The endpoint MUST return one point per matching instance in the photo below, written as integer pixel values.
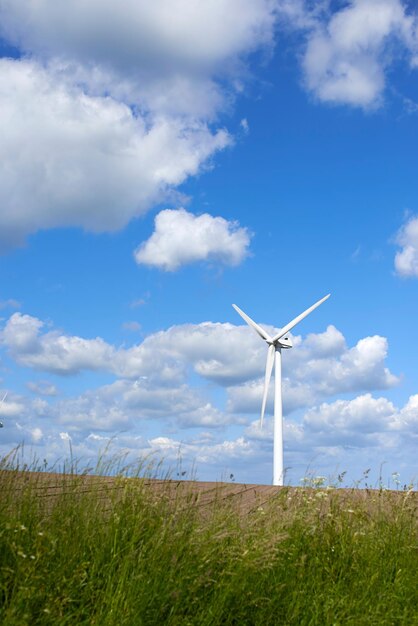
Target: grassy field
(87, 551)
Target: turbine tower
(274, 357)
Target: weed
(81, 549)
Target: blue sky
(161, 162)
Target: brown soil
(242, 497)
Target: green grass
(94, 554)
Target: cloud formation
(70, 159)
(367, 430)
(112, 107)
(349, 51)
(363, 421)
(156, 391)
(350, 418)
(126, 403)
(181, 238)
(321, 365)
(167, 36)
(52, 351)
(406, 261)
(109, 111)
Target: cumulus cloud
(142, 400)
(110, 109)
(155, 392)
(356, 368)
(214, 350)
(364, 421)
(364, 414)
(69, 159)
(212, 453)
(357, 433)
(11, 408)
(327, 344)
(407, 419)
(293, 433)
(52, 351)
(181, 238)
(349, 51)
(246, 399)
(406, 260)
(42, 388)
(320, 366)
(166, 35)
(120, 406)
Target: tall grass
(89, 551)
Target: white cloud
(181, 238)
(407, 418)
(42, 388)
(11, 408)
(138, 426)
(212, 454)
(156, 372)
(91, 411)
(364, 414)
(165, 35)
(246, 399)
(142, 400)
(69, 159)
(349, 51)
(406, 261)
(357, 368)
(327, 344)
(364, 422)
(213, 349)
(132, 326)
(293, 433)
(320, 366)
(10, 303)
(125, 405)
(244, 125)
(113, 107)
(53, 352)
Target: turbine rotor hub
(283, 342)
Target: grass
(87, 551)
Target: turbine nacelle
(283, 342)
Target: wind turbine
(1, 402)
(274, 357)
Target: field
(78, 549)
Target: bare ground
(244, 498)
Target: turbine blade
(269, 368)
(298, 319)
(260, 331)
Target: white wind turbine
(274, 357)
(1, 402)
